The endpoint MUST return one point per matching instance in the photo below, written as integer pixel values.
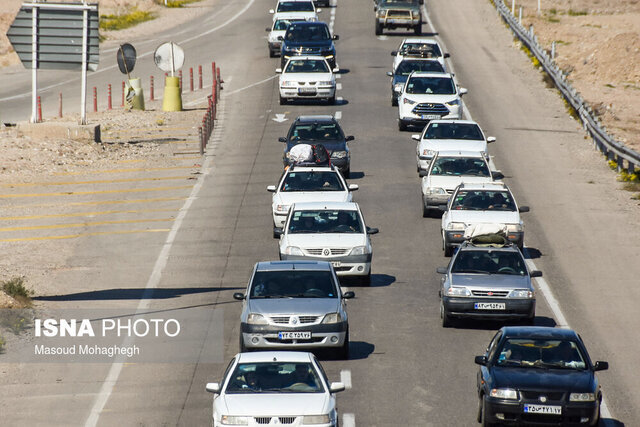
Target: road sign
(169, 57)
(126, 57)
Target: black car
(402, 71)
(538, 375)
(308, 38)
(320, 129)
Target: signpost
(56, 36)
(169, 57)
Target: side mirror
(536, 273)
(353, 187)
(335, 37)
(282, 139)
(350, 138)
(268, 30)
(213, 388)
(277, 231)
(446, 55)
(278, 70)
(280, 38)
(271, 188)
(371, 230)
(481, 360)
(390, 73)
(394, 52)
(336, 387)
(348, 295)
(497, 175)
(272, 11)
(601, 366)
(416, 136)
(422, 174)
(524, 209)
(463, 90)
(335, 70)
(441, 270)
(239, 296)
(491, 139)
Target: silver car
(294, 305)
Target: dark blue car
(401, 74)
(308, 38)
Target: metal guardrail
(604, 142)
(209, 118)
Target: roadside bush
(120, 22)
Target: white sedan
(274, 388)
(307, 77)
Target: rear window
(460, 166)
(483, 200)
(312, 181)
(467, 131)
(406, 67)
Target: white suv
(332, 231)
(307, 77)
(429, 96)
(300, 184)
(418, 47)
(481, 203)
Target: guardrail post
(191, 79)
(513, 7)
(553, 50)
(199, 76)
(109, 96)
(95, 99)
(60, 105)
(151, 93)
(39, 109)
(201, 140)
(520, 16)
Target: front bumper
(356, 265)
(275, 46)
(512, 413)
(465, 307)
(266, 336)
(320, 92)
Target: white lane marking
(154, 280)
(233, 92)
(382, 37)
(280, 118)
(345, 378)
(339, 98)
(102, 70)
(349, 420)
(338, 86)
(338, 76)
(338, 115)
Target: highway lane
(406, 369)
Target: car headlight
(514, 228)
(521, 293)
(582, 397)
(456, 226)
(234, 420)
(338, 154)
(359, 250)
(326, 83)
(293, 250)
(428, 153)
(316, 419)
(398, 87)
(332, 318)
(288, 84)
(408, 101)
(504, 393)
(436, 190)
(256, 319)
(380, 13)
(282, 208)
(454, 102)
(458, 292)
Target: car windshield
(482, 200)
(325, 221)
(307, 66)
(312, 181)
(274, 377)
(431, 86)
(293, 284)
(399, 2)
(468, 131)
(460, 166)
(541, 353)
(425, 50)
(295, 6)
(489, 262)
(327, 131)
(407, 67)
(308, 33)
(282, 24)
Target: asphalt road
(405, 368)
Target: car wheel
(283, 101)
(394, 101)
(343, 352)
(242, 347)
(275, 236)
(448, 250)
(401, 125)
(479, 414)
(347, 173)
(378, 29)
(332, 100)
(366, 280)
(425, 211)
(272, 54)
(445, 316)
(483, 420)
(417, 30)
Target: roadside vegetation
(125, 20)
(17, 290)
(176, 3)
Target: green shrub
(577, 12)
(120, 22)
(15, 288)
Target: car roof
(542, 332)
(429, 74)
(275, 356)
(460, 153)
(490, 186)
(419, 40)
(293, 265)
(309, 206)
(470, 122)
(315, 118)
(314, 57)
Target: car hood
(452, 145)
(430, 98)
(292, 197)
(306, 77)
(490, 281)
(293, 44)
(544, 379)
(449, 182)
(302, 306)
(477, 217)
(276, 404)
(326, 240)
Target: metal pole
(83, 92)
(513, 7)
(34, 65)
(538, 7)
(553, 50)
(173, 70)
(520, 16)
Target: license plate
(306, 90)
(302, 335)
(430, 117)
(543, 409)
(490, 306)
(336, 263)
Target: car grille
(531, 395)
(283, 420)
(315, 50)
(427, 108)
(313, 340)
(307, 83)
(483, 293)
(392, 13)
(287, 420)
(332, 251)
(262, 420)
(284, 320)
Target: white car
(448, 170)
(280, 23)
(481, 203)
(300, 184)
(329, 231)
(274, 388)
(307, 77)
(418, 47)
(447, 135)
(295, 6)
(429, 96)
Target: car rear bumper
(512, 413)
(266, 336)
(356, 265)
(465, 307)
(456, 237)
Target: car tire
(242, 347)
(347, 173)
(483, 419)
(343, 352)
(394, 101)
(479, 412)
(332, 100)
(378, 29)
(425, 212)
(272, 54)
(417, 30)
(448, 251)
(283, 101)
(366, 280)
(445, 317)
(401, 125)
